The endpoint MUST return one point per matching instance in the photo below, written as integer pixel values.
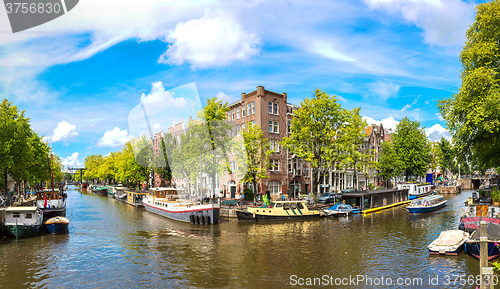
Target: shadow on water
(112, 244)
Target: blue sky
(79, 77)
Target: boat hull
(474, 248)
(419, 210)
(209, 215)
(248, 216)
(23, 231)
(57, 225)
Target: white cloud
(436, 132)
(209, 41)
(439, 116)
(114, 138)
(407, 106)
(331, 51)
(388, 123)
(444, 22)
(227, 98)
(63, 131)
(72, 161)
(384, 90)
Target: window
(28, 216)
(271, 126)
(270, 107)
(275, 108)
(232, 113)
(238, 129)
(274, 146)
(289, 124)
(253, 122)
(253, 107)
(16, 215)
(249, 107)
(289, 165)
(242, 126)
(238, 113)
(274, 165)
(274, 187)
(276, 129)
(243, 111)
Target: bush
(248, 194)
(495, 195)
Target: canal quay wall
(450, 189)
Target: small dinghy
(493, 235)
(57, 225)
(449, 242)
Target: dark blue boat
(426, 204)
(57, 225)
(472, 246)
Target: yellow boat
(278, 210)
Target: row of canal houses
(289, 175)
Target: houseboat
(57, 225)
(493, 235)
(23, 222)
(426, 204)
(449, 242)
(113, 190)
(478, 209)
(101, 191)
(416, 190)
(135, 198)
(51, 202)
(169, 203)
(340, 209)
(376, 200)
(278, 210)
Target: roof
(368, 193)
(368, 130)
(20, 209)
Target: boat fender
(208, 220)
(191, 219)
(196, 219)
(202, 219)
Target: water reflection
(111, 244)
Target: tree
(92, 164)
(353, 138)
(412, 148)
(316, 133)
(253, 155)
(389, 164)
(164, 158)
(473, 114)
(446, 156)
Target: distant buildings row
(288, 174)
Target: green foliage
(473, 114)
(495, 195)
(389, 165)
(411, 147)
(446, 156)
(253, 155)
(248, 193)
(317, 132)
(23, 153)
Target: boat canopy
(21, 209)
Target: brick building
(272, 113)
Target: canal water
(113, 245)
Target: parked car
(327, 198)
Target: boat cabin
(283, 208)
(134, 197)
(21, 215)
(50, 195)
(415, 189)
(170, 194)
(427, 201)
(367, 200)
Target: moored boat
(478, 209)
(57, 225)
(51, 202)
(135, 198)
(449, 242)
(23, 222)
(493, 238)
(278, 210)
(341, 209)
(113, 190)
(101, 191)
(169, 203)
(426, 204)
(416, 191)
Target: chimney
(284, 96)
(260, 90)
(243, 96)
(190, 118)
